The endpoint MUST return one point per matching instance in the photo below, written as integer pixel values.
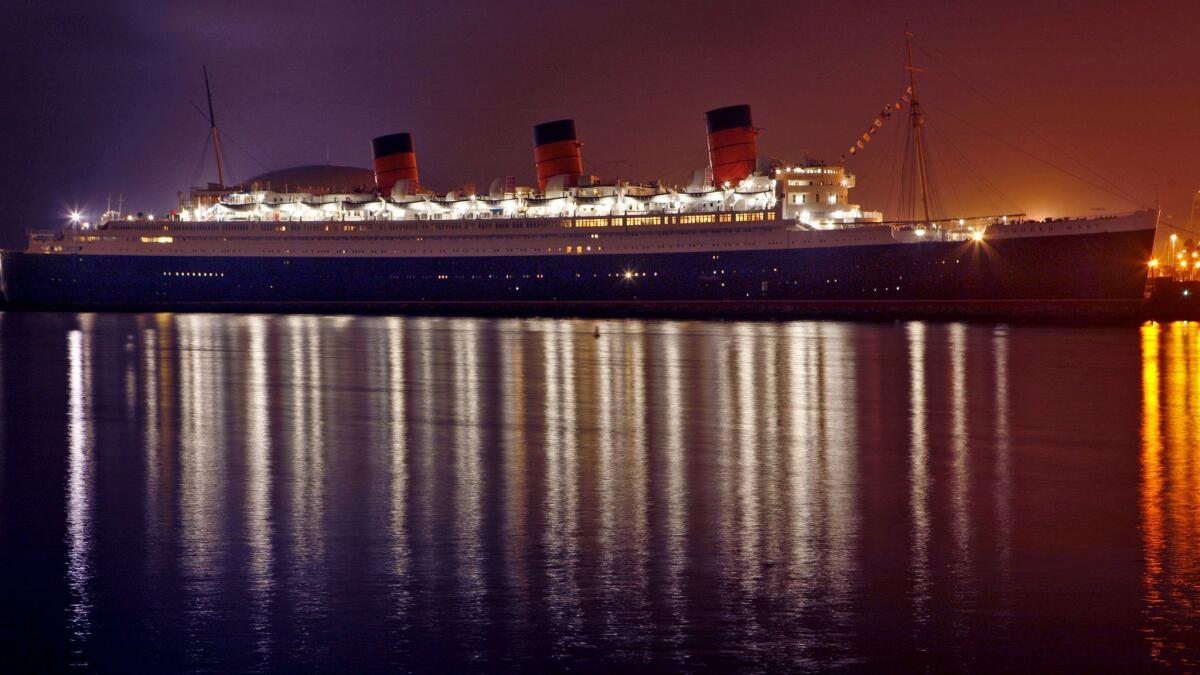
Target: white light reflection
(821, 420)
(802, 414)
(748, 520)
(514, 400)
(1004, 525)
(159, 441)
(840, 464)
(561, 476)
(720, 389)
(258, 484)
(468, 483)
(676, 487)
(426, 422)
(960, 481)
(603, 381)
(635, 507)
(79, 482)
(202, 468)
(150, 435)
(131, 388)
(918, 474)
(398, 465)
(772, 462)
(306, 464)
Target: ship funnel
(556, 152)
(394, 161)
(732, 146)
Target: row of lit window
(193, 274)
(747, 217)
(753, 217)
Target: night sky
(99, 96)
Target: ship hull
(1094, 267)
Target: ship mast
(216, 135)
(918, 120)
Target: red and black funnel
(556, 152)
(732, 143)
(394, 160)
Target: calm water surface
(281, 493)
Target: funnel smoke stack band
(556, 152)
(732, 143)
(395, 160)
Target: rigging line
(1004, 202)
(246, 152)
(893, 158)
(233, 140)
(939, 165)
(1004, 112)
(1043, 160)
(665, 93)
(239, 120)
(1184, 228)
(200, 162)
(880, 170)
(468, 109)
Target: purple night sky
(100, 95)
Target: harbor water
(317, 493)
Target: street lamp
(1174, 238)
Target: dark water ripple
(254, 493)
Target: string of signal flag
(884, 116)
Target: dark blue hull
(1102, 266)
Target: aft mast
(216, 135)
(918, 120)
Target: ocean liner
(743, 233)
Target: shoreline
(1083, 312)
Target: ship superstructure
(743, 230)
(737, 193)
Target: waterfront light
(628, 274)
(977, 235)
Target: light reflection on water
(258, 493)
(79, 486)
(1170, 495)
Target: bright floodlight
(76, 216)
(978, 235)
